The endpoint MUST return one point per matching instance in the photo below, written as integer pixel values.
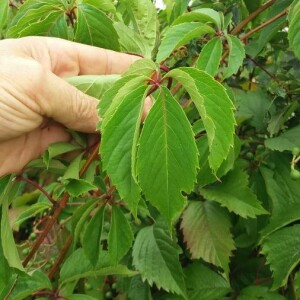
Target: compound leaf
(167, 156)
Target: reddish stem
(59, 208)
(37, 186)
(61, 257)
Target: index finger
(65, 58)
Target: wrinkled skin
(36, 104)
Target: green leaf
(115, 95)
(269, 32)
(93, 27)
(206, 230)
(258, 292)
(32, 211)
(167, 156)
(175, 8)
(155, 256)
(277, 120)
(215, 108)
(131, 42)
(80, 217)
(93, 85)
(92, 235)
(120, 236)
(206, 174)
(255, 106)
(205, 284)
(58, 149)
(283, 192)
(236, 55)
(72, 270)
(288, 140)
(119, 142)
(210, 56)
(142, 18)
(38, 19)
(3, 14)
(234, 194)
(203, 15)
(294, 28)
(139, 289)
(26, 285)
(77, 187)
(72, 172)
(10, 251)
(105, 5)
(179, 35)
(281, 249)
(142, 67)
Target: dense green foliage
(199, 201)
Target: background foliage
(201, 200)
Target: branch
(245, 36)
(252, 16)
(38, 187)
(61, 257)
(60, 205)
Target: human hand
(36, 104)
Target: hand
(36, 104)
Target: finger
(66, 104)
(147, 106)
(16, 153)
(65, 58)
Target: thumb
(67, 105)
